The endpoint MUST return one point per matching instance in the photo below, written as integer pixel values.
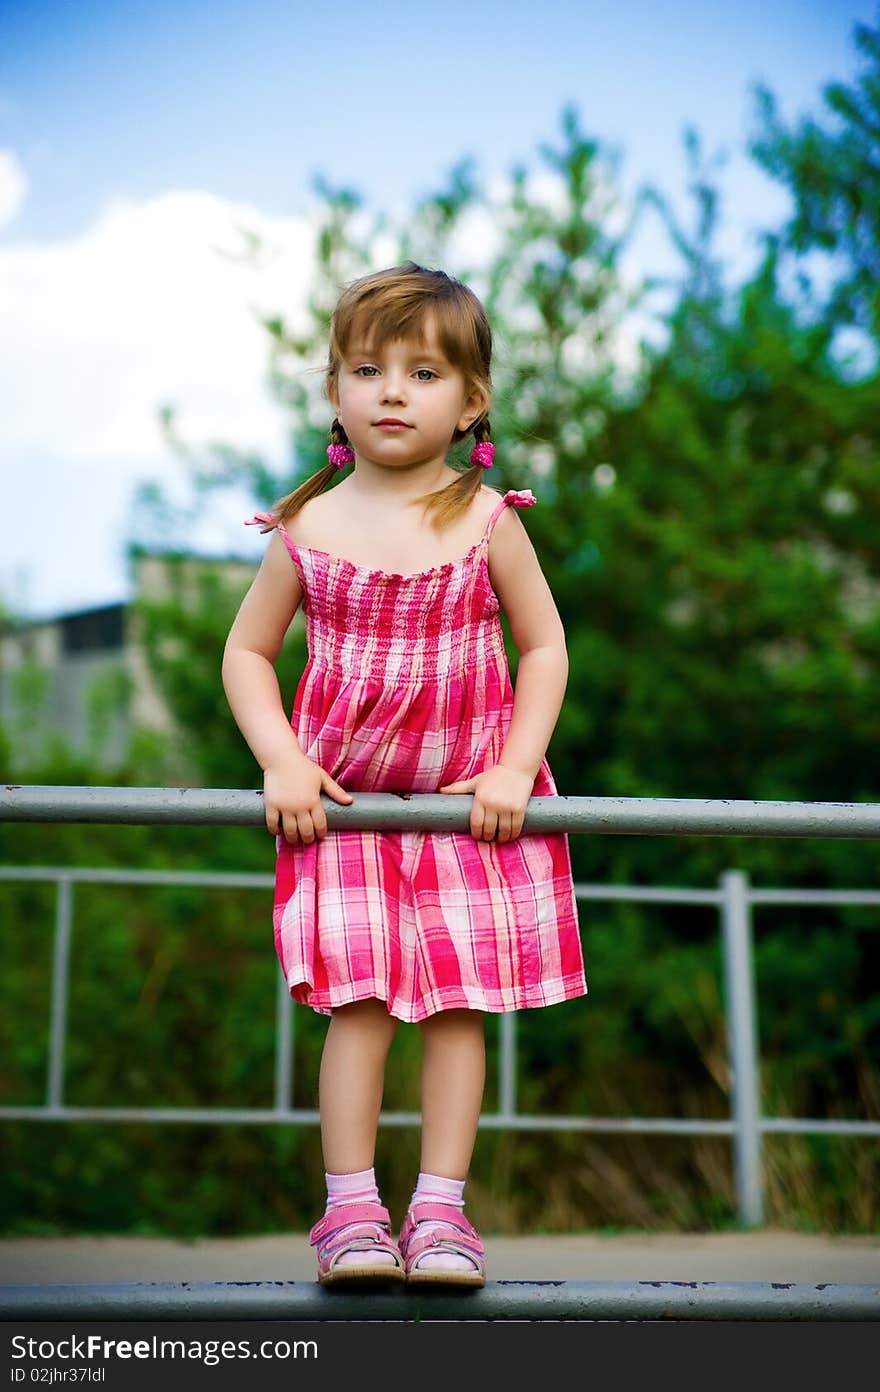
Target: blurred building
(82, 680)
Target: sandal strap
(436, 1241)
(347, 1214)
(364, 1237)
(455, 1231)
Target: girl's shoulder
(319, 522)
(483, 506)
(518, 495)
(491, 500)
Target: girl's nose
(393, 388)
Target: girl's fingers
(298, 827)
(336, 790)
(304, 827)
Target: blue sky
(128, 133)
(252, 99)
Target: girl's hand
(501, 796)
(291, 795)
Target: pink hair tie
(483, 453)
(340, 455)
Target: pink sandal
(355, 1227)
(456, 1236)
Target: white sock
(432, 1188)
(359, 1187)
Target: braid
(481, 429)
(288, 507)
(451, 501)
(337, 434)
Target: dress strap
(266, 521)
(518, 497)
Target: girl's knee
(370, 1013)
(372, 1005)
(453, 1021)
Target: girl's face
(408, 381)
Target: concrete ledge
(499, 1300)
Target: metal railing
(734, 899)
(499, 1300)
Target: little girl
(401, 569)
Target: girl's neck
(390, 486)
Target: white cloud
(140, 309)
(151, 304)
(14, 185)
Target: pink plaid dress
(406, 689)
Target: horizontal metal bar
(438, 812)
(656, 894)
(256, 1116)
(814, 896)
(493, 1121)
(672, 1126)
(798, 1126)
(499, 1300)
(202, 879)
(224, 879)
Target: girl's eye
(430, 372)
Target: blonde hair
(393, 304)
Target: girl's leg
(453, 1078)
(350, 1087)
(351, 1082)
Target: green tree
(834, 179)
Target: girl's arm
(292, 782)
(536, 628)
(502, 792)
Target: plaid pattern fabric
(407, 688)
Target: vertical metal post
(58, 1016)
(739, 993)
(507, 1063)
(283, 1047)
